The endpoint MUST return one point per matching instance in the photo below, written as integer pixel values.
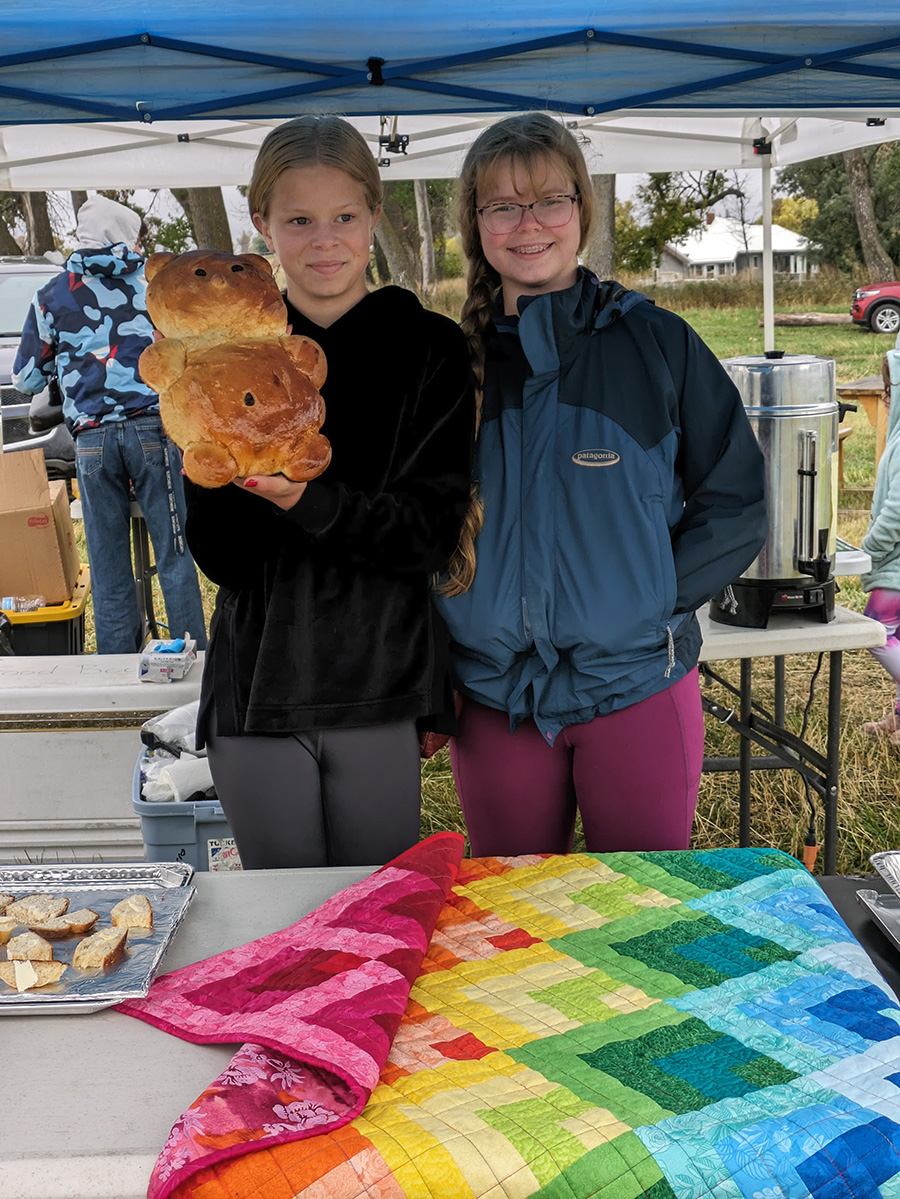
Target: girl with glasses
(619, 486)
(324, 650)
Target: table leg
(779, 691)
(832, 759)
(744, 747)
(145, 573)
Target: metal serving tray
(887, 863)
(884, 910)
(100, 886)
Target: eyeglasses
(552, 212)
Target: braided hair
(531, 141)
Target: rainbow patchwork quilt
(685, 1025)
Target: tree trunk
(801, 319)
(78, 198)
(600, 252)
(391, 247)
(37, 221)
(8, 244)
(878, 264)
(209, 218)
(382, 270)
(426, 235)
(184, 199)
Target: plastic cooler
(195, 832)
(55, 628)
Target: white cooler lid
(849, 560)
(102, 683)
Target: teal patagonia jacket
(622, 488)
(882, 539)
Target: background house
(723, 246)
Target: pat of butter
(26, 975)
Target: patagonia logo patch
(595, 458)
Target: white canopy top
(197, 153)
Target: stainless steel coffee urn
(790, 402)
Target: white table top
(99, 683)
(38, 685)
(788, 633)
(90, 1099)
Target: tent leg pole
(768, 266)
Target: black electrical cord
(811, 840)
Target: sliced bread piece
(29, 947)
(52, 930)
(8, 925)
(26, 975)
(5, 901)
(36, 909)
(73, 924)
(81, 922)
(100, 950)
(134, 911)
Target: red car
(877, 307)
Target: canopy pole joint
(375, 76)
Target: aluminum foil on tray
(887, 863)
(100, 886)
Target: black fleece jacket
(323, 617)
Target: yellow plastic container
(55, 628)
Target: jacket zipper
(670, 640)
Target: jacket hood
(105, 222)
(111, 261)
(893, 426)
(612, 301)
(588, 303)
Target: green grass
(869, 815)
(734, 331)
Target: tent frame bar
(402, 75)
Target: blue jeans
(109, 461)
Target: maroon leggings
(633, 775)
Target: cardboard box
(38, 555)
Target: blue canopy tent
(178, 59)
(121, 92)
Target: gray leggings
(341, 797)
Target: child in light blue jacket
(882, 543)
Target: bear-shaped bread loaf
(237, 393)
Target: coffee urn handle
(807, 501)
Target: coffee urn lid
(777, 380)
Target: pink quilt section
(316, 1006)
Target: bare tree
(600, 251)
(426, 235)
(708, 188)
(8, 214)
(37, 222)
(878, 262)
(205, 209)
(78, 198)
(392, 248)
(736, 208)
(401, 228)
